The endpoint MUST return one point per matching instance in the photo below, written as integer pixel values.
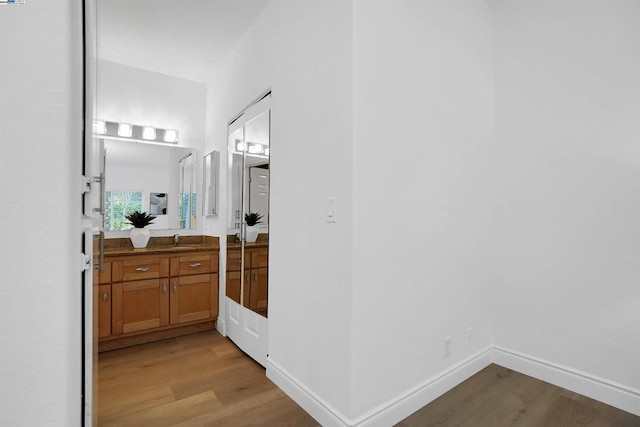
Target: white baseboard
(221, 326)
(400, 407)
(321, 411)
(388, 413)
(609, 392)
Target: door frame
(91, 220)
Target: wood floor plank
(205, 380)
(172, 413)
(202, 379)
(497, 396)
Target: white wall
(567, 234)
(302, 52)
(40, 157)
(424, 199)
(143, 97)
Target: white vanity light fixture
(99, 127)
(255, 148)
(171, 136)
(134, 133)
(125, 130)
(149, 133)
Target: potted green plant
(252, 219)
(139, 234)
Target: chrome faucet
(176, 238)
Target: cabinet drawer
(194, 264)
(234, 260)
(140, 268)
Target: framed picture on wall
(158, 203)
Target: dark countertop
(160, 245)
(232, 246)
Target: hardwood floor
(497, 396)
(205, 380)
(195, 380)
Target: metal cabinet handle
(164, 288)
(142, 269)
(196, 265)
(255, 276)
(175, 288)
(105, 296)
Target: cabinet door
(233, 285)
(260, 258)
(194, 298)
(104, 311)
(234, 259)
(140, 305)
(259, 289)
(102, 304)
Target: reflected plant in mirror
(253, 218)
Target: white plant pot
(251, 234)
(139, 237)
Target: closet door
(248, 199)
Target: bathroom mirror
(158, 179)
(210, 171)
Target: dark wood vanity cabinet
(155, 294)
(256, 276)
(194, 288)
(102, 301)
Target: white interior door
(259, 192)
(248, 145)
(92, 220)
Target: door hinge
(85, 262)
(87, 184)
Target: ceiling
(190, 39)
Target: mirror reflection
(158, 204)
(248, 204)
(157, 179)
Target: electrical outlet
(469, 335)
(447, 347)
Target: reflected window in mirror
(188, 210)
(119, 204)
